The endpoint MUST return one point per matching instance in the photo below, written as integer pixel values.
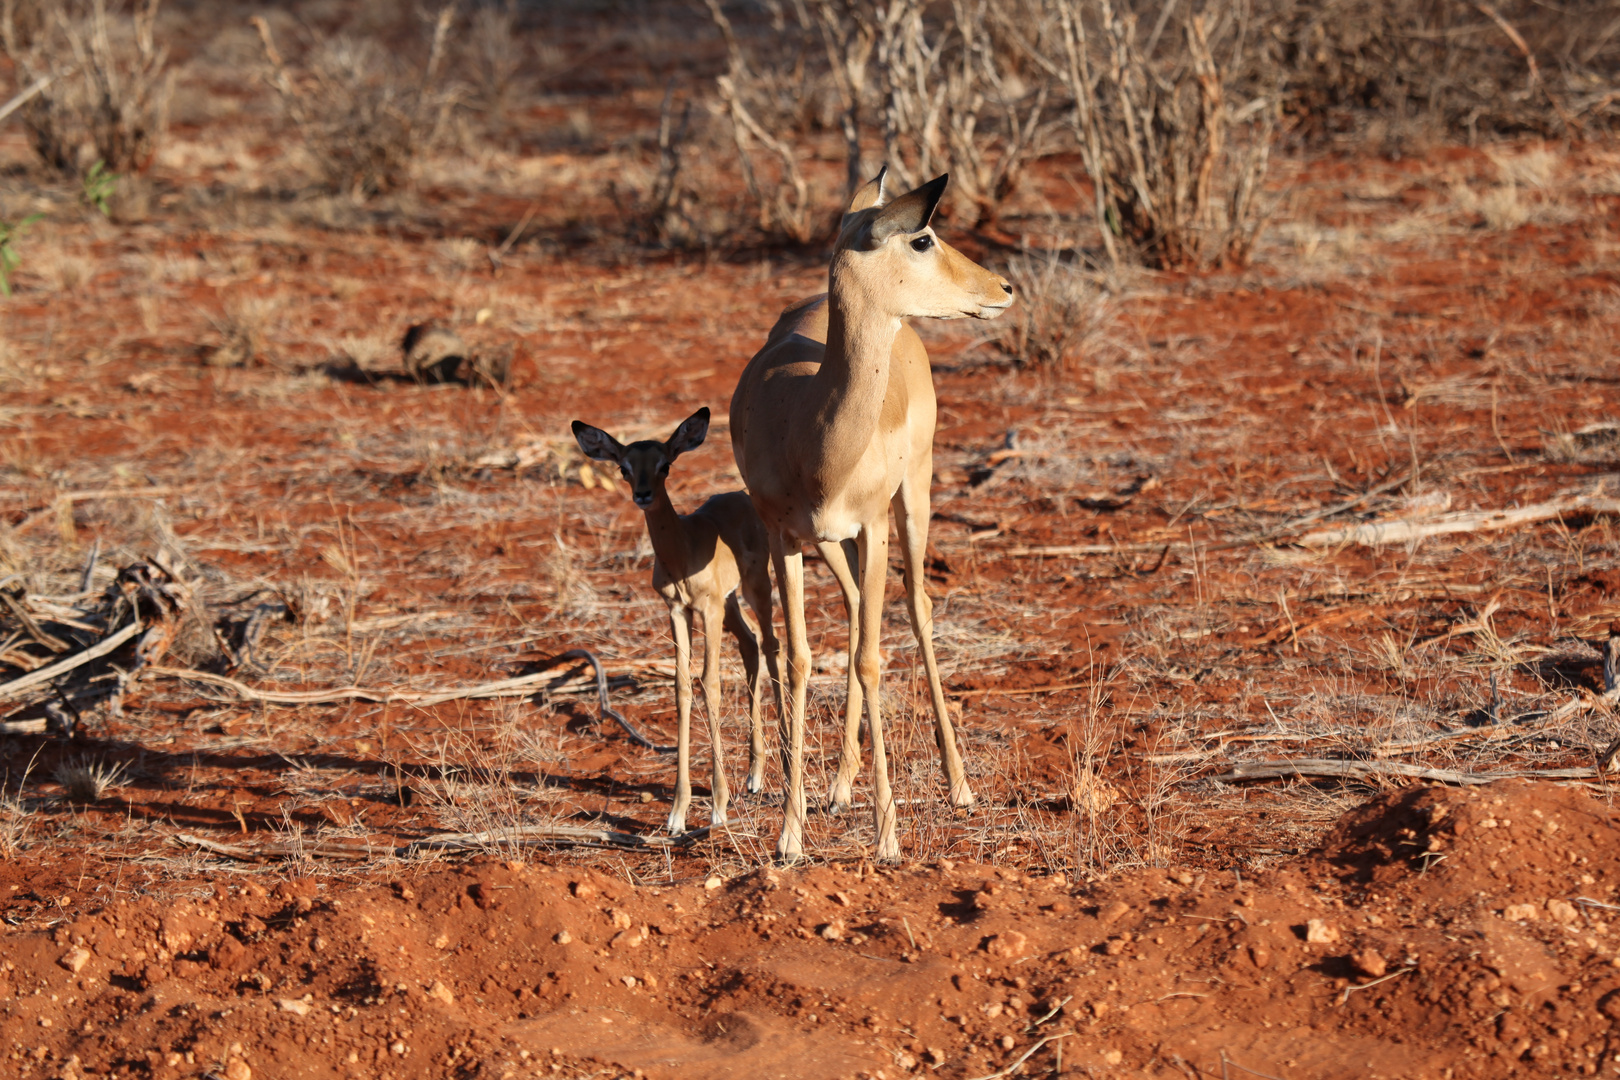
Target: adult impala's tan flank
(832, 421)
(701, 561)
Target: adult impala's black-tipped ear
(597, 444)
(910, 212)
(870, 193)
(690, 435)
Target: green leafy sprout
(8, 250)
(99, 185)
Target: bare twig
(66, 664)
(22, 97)
(1025, 1056)
(574, 835)
(521, 686)
(1401, 531)
(1274, 770)
(1345, 996)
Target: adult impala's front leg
(911, 522)
(790, 582)
(874, 566)
(680, 625)
(839, 557)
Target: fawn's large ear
(690, 435)
(910, 212)
(596, 443)
(870, 194)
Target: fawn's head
(644, 464)
(888, 251)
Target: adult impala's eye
(922, 243)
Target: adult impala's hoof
(717, 818)
(888, 852)
(676, 825)
(756, 784)
(840, 798)
(962, 797)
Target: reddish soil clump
(1437, 933)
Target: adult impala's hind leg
(911, 521)
(839, 557)
(756, 589)
(713, 637)
(748, 646)
(680, 625)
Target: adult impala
(832, 422)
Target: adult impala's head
(888, 252)
(644, 464)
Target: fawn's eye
(922, 243)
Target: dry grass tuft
(1061, 308)
(89, 781)
(242, 330)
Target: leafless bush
(494, 56)
(1060, 306)
(105, 85)
(1176, 170)
(940, 86)
(755, 97)
(1445, 66)
(955, 100)
(365, 115)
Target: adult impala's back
(832, 421)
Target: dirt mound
(1438, 933)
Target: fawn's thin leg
(680, 625)
(911, 522)
(712, 638)
(748, 646)
(790, 580)
(839, 557)
(874, 567)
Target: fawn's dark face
(644, 464)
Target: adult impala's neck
(666, 532)
(854, 375)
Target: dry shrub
(364, 114)
(107, 88)
(494, 57)
(958, 97)
(1442, 66)
(941, 87)
(1176, 170)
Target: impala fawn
(702, 560)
